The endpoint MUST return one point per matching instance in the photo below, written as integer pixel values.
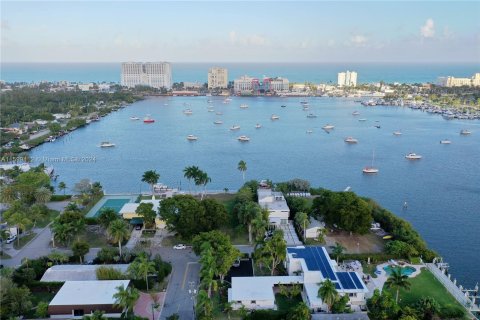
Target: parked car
(179, 246)
(11, 238)
(138, 227)
(236, 263)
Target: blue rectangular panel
(346, 281)
(356, 279)
(337, 286)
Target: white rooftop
(88, 292)
(75, 272)
(258, 288)
(272, 200)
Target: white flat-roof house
(313, 228)
(78, 298)
(307, 266)
(276, 205)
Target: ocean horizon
(316, 72)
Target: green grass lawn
(423, 285)
(52, 214)
(94, 239)
(19, 243)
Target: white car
(11, 239)
(236, 263)
(179, 246)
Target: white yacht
(413, 156)
(371, 169)
(243, 139)
(258, 126)
(445, 141)
(309, 131)
(191, 137)
(244, 106)
(188, 112)
(274, 117)
(355, 113)
(106, 144)
(211, 110)
(218, 122)
(235, 127)
(465, 132)
(397, 133)
(311, 115)
(351, 140)
(134, 118)
(362, 119)
(328, 127)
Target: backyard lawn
(26, 238)
(52, 214)
(423, 285)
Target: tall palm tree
(151, 177)
(300, 312)
(118, 230)
(204, 304)
(259, 226)
(62, 186)
(328, 293)
(228, 308)
(301, 218)
(248, 212)
(126, 298)
(42, 195)
(397, 280)
(191, 173)
(338, 250)
(143, 267)
(202, 179)
(242, 167)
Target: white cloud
(428, 29)
(232, 35)
(247, 40)
(358, 40)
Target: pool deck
(379, 281)
(101, 202)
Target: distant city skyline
(106, 31)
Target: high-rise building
(153, 74)
(217, 78)
(348, 79)
(458, 82)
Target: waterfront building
(277, 84)
(244, 84)
(217, 78)
(153, 74)
(348, 79)
(249, 85)
(275, 203)
(449, 81)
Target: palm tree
(228, 308)
(242, 167)
(143, 267)
(300, 312)
(118, 230)
(191, 173)
(126, 298)
(42, 195)
(151, 177)
(202, 179)
(20, 220)
(328, 293)
(204, 303)
(338, 250)
(96, 315)
(62, 186)
(248, 212)
(259, 226)
(301, 218)
(397, 280)
(427, 306)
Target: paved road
(39, 134)
(184, 277)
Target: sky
(240, 31)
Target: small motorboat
(413, 156)
(106, 144)
(191, 137)
(243, 139)
(283, 106)
(147, 119)
(258, 126)
(274, 117)
(134, 118)
(355, 113)
(311, 115)
(445, 141)
(350, 140)
(362, 119)
(377, 126)
(397, 133)
(328, 127)
(211, 110)
(370, 170)
(235, 127)
(309, 131)
(244, 106)
(465, 132)
(218, 122)
(188, 112)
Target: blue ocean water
(442, 189)
(295, 72)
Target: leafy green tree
(80, 249)
(242, 167)
(215, 215)
(145, 210)
(328, 293)
(427, 307)
(301, 219)
(340, 305)
(109, 273)
(400, 249)
(228, 309)
(397, 280)
(207, 272)
(151, 177)
(42, 309)
(202, 179)
(106, 216)
(296, 205)
(141, 268)
(300, 312)
(381, 306)
(126, 298)
(174, 316)
(18, 300)
(259, 227)
(62, 187)
(247, 212)
(338, 250)
(204, 305)
(96, 315)
(119, 232)
(43, 195)
(58, 257)
(54, 127)
(273, 251)
(68, 225)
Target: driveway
(184, 278)
(143, 306)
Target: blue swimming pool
(405, 270)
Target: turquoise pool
(110, 201)
(405, 270)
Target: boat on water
(363, 119)
(219, 113)
(147, 119)
(328, 127)
(311, 115)
(304, 102)
(355, 113)
(107, 144)
(243, 139)
(371, 169)
(209, 101)
(274, 117)
(258, 126)
(377, 126)
(397, 133)
(218, 122)
(309, 131)
(235, 127)
(191, 137)
(227, 100)
(188, 112)
(413, 156)
(283, 106)
(134, 118)
(244, 106)
(350, 140)
(211, 110)
(465, 132)
(445, 141)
